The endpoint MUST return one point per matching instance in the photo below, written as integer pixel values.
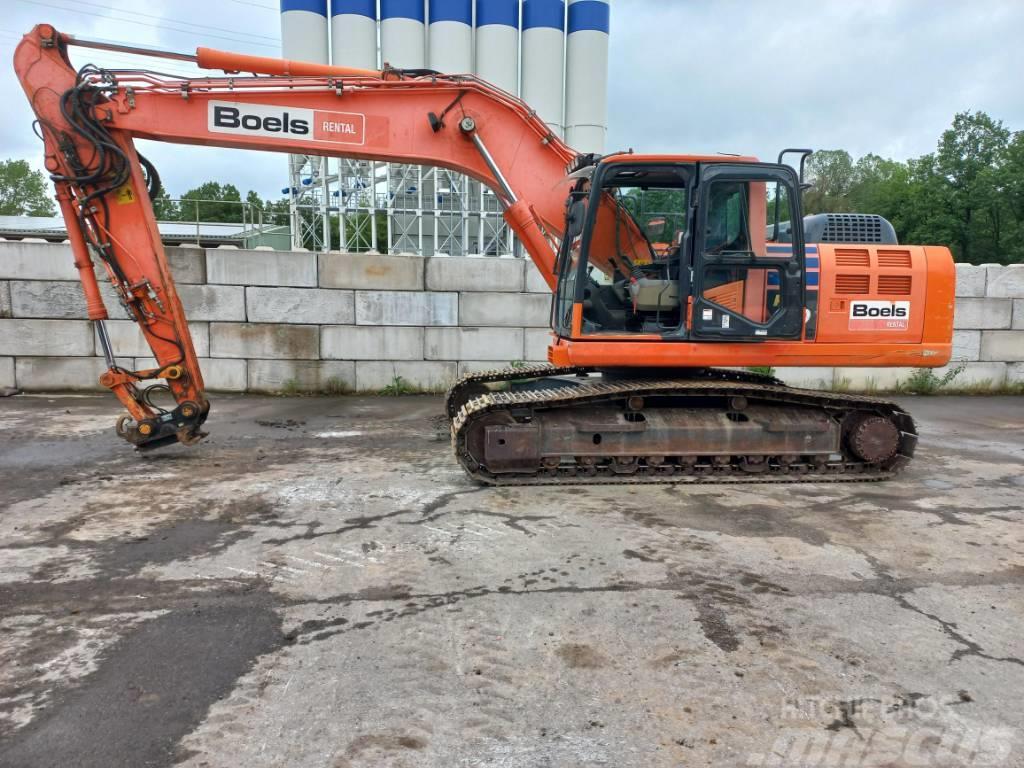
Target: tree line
(216, 202)
(968, 194)
(26, 192)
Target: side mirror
(574, 221)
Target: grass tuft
(924, 381)
(335, 386)
(398, 387)
(291, 388)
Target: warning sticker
(725, 321)
(125, 194)
(879, 315)
(707, 314)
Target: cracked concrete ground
(319, 585)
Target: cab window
(634, 250)
(740, 277)
(728, 214)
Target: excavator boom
(89, 120)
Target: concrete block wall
(267, 320)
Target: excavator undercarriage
(550, 426)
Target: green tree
(164, 208)
(1010, 182)
(878, 185)
(259, 211)
(969, 157)
(212, 201)
(830, 172)
(276, 211)
(968, 194)
(359, 232)
(926, 215)
(24, 192)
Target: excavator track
(863, 423)
(473, 384)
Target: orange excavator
(672, 274)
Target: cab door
(741, 291)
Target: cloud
(686, 76)
(753, 77)
(250, 27)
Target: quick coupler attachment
(178, 426)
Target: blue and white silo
(304, 30)
(354, 33)
(543, 59)
(403, 33)
(586, 75)
(497, 43)
(450, 36)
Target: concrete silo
(354, 33)
(586, 75)
(543, 52)
(403, 36)
(354, 44)
(450, 36)
(304, 38)
(497, 43)
(304, 30)
(551, 53)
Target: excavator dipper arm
(88, 121)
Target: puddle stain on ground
(581, 656)
(148, 691)
(177, 539)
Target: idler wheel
(874, 439)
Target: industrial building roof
(52, 228)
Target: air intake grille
(852, 228)
(853, 284)
(894, 285)
(894, 259)
(850, 258)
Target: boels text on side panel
(879, 315)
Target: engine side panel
(872, 293)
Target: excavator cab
(682, 250)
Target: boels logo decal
(879, 315)
(278, 122)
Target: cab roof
(629, 157)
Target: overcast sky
(745, 76)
